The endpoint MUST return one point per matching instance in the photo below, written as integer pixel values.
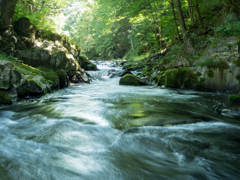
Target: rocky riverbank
(205, 66)
(35, 62)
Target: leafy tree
(7, 12)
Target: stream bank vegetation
(177, 43)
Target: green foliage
(231, 26)
(43, 14)
(172, 55)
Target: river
(106, 131)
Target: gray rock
(6, 69)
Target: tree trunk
(7, 14)
(175, 20)
(131, 41)
(199, 16)
(190, 8)
(181, 19)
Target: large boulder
(86, 64)
(20, 80)
(129, 79)
(220, 66)
(40, 48)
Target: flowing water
(106, 131)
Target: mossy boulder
(129, 79)
(23, 80)
(86, 64)
(4, 98)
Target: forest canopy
(111, 29)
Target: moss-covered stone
(4, 98)
(129, 79)
(52, 77)
(86, 64)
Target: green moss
(209, 63)
(26, 69)
(49, 76)
(17, 71)
(234, 98)
(4, 98)
(43, 80)
(222, 65)
(52, 77)
(146, 70)
(171, 78)
(129, 79)
(210, 74)
(179, 77)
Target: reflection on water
(107, 131)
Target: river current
(106, 131)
